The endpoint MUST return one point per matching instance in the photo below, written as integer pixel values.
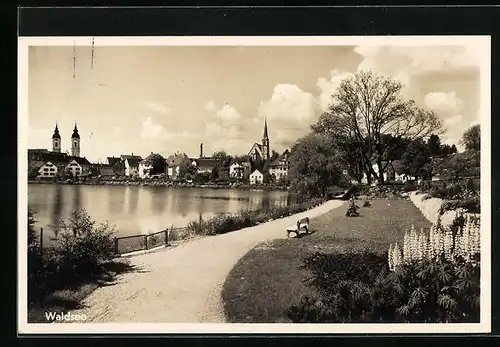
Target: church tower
(265, 143)
(75, 143)
(56, 141)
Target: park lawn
(269, 279)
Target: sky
(164, 99)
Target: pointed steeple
(75, 133)
(56, 133)
(265, 129)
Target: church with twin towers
(75, 142)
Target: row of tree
(368, 124)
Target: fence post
(41, 242)
(166, 237)
(146, 241)
(116, 245)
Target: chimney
(201, 150)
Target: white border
(482, 43)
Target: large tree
(471, 138)
(157, 162)
(417, 159)
(365, 108)
(314, 165)
(434, 145)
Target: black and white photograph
(254, 184)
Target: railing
(133, 243)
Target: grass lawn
(268, 279)
(69, 297)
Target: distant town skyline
(164, 99)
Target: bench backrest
(302, 222)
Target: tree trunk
(380, 171)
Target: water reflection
(57, 206)
(134, 209)
(133, 199)
(116, 200)
(77, 198)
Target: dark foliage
(352, 209)
(359, 288)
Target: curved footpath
(183, 284)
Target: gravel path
(183, 284)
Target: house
(118, 165)
(393, 171)
(256, 177)
(399, 174)
(73, 168)
(48, 170)
(279, 167)
(236, 170)
(247, 168)
(261, 150)
(205, 165)
(131, 164)
(106, 171)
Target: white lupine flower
(406, 247)
(390, 258)
(432, 252)
(397, 260)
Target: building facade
(261, 150)
(256, 177)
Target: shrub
(81, 246)
(359, 288)
(224, 223)
(367, 203)
(470, 204)
(352, 209)
(409, 186)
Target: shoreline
(162, 292)
(166, 184)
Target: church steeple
(265, 142)
(75, 143)
(56, 141)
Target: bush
(366, 204)
(81, 246)
(352, 209)
(359, 288)
(409, 186)
(223, 223)
(470, 204)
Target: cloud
(150, 130)
(210, 106)
(216, 130)
(289, 103)
(474, 122)
(409, 61)
(443, 102)
(289, 112)
(228, 113)
(328, 86)
(452, 120)
(157, 107)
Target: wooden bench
(301, 226)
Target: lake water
(136, 210)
